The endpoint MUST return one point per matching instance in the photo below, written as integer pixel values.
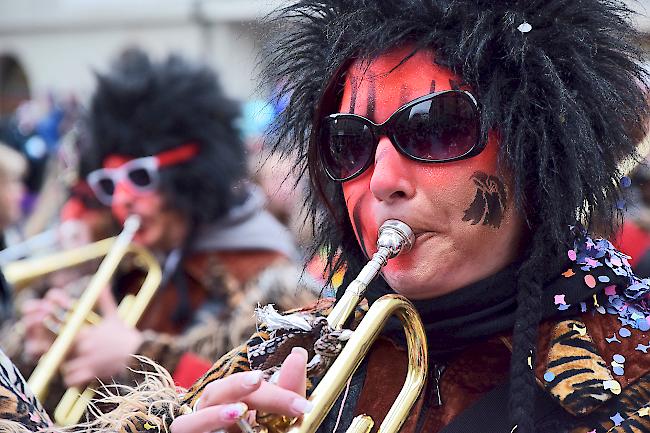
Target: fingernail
(235, 411)
(252, 378)
(302, 405)
(301, 351)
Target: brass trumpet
(73, 405)
(395, 237)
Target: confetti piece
(524, 27)
(618, 371)
(591, 262)
(616, 261)
(583, 307)
(643, 324)
(645, 411)
(610, 290)
(624, 332)
(626, 182)
(619, 358)
(603, 279)
(590, 281)
(549, 376)
(613, 386)
(596, 301)
(559, 300)
(563, 307)
(642, 348)
(616, 419)
(569, 273)
(572, 255)
(612, 339)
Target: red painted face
(159, 222)
(458, 242)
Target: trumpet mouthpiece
(396, 236)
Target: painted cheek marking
(356, 218)
(354, 85)
(489, 204)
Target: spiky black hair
(141, 108)
(567, 98)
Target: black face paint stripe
(490, 201)
(455, 85)
(403, 94)
(356, 217)
(372, 98)
(354, 84)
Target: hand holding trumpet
(225, 401)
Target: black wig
(141, 108)
(560, 80)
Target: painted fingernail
(301, 351)
(252, 378)
(232, 412)
(302, 405)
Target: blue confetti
(642, 348)
(617, 419)
(563, 307)
(624, 332)
(618, 371)
(626, 182)
(549, 376)
(619, 358)
(603, 279)
(643, 325)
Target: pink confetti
(559, 300)
(610, 290)
(572, 255)
(590, 281)
(591, 262)
(616, 261)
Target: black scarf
(487, 307)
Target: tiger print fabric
(579, 374)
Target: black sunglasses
(439, 127)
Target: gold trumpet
(395, 237)
(73, 404)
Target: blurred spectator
(13, 168)
(634, 238)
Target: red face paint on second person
(162, 227)
(432, 198)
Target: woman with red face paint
(162, 144)
(495, 131)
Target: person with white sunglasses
(161, 143)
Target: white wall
(60, 42)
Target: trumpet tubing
(395, 237)
(71, 408)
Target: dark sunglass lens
(140, 177)
(107, 186)
(445, 127)
(346, 146)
